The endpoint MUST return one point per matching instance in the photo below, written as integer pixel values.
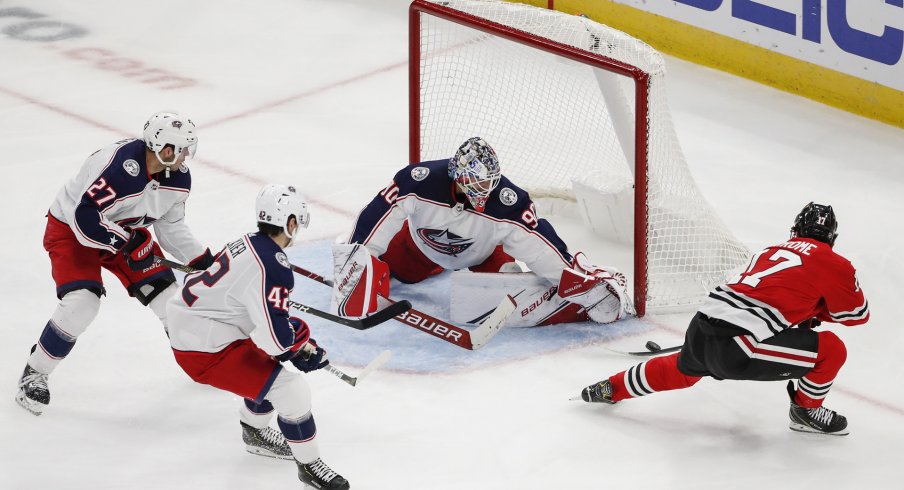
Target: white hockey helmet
(276, 203)
(170, 128)
(475, 168)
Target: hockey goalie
(462, 214)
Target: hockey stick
(653, 349)
(371, 367)
(441, 329)
(371, 321)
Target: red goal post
(536, 84)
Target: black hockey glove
(307, 361)
(811, 323)
(139, 250)
(203, 261)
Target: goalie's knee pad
(359, 279)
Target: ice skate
(819, 420)
(33, 393)
(318, 475)
(265, 442)
(598, 393)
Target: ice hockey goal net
(576, 111)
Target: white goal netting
(566, 129)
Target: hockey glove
(139, 250)
(311, 358)
(302, 335)
(203, 261)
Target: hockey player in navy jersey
(462, 213)
(230, 328)
(100, 219)
(758, 327)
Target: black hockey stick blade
(387, 313)
(653, 349)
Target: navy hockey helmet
(475, 168)
(816, 221)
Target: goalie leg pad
(475, 294)
(360, 278)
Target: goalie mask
(816, 221)
(276, 203)
(475, 169)
(170, 128)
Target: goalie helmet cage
(570, 105)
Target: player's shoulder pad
(507, 201)
(274, 260)
(428, 179)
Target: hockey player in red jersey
(758, 326)
(230, 328)
(462, 213)
(100, 219)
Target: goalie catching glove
(304, 354)
(359, 279)
(601, 291)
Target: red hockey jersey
(789, 283)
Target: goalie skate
(265, 442)
(318, 475)
(33, 395)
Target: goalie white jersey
(450, 232)
(113, 191)
(244, 294)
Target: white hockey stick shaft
(371, 367)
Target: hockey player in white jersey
(100, 219)
(230, 328)
(462, 213)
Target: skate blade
(266, 453)
(32, 406)
(809, 430)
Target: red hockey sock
(657, 374)
(814, 386)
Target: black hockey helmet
(816, 221)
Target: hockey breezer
(371, 321)
(441, 329)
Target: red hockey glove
(139, 250)
(203, 261)
(311, 358)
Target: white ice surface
(314, 93)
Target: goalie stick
(371, 321)
(441, 329)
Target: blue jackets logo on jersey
(508, 196)
(131, 166)
(444, 242)
(420, 173)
